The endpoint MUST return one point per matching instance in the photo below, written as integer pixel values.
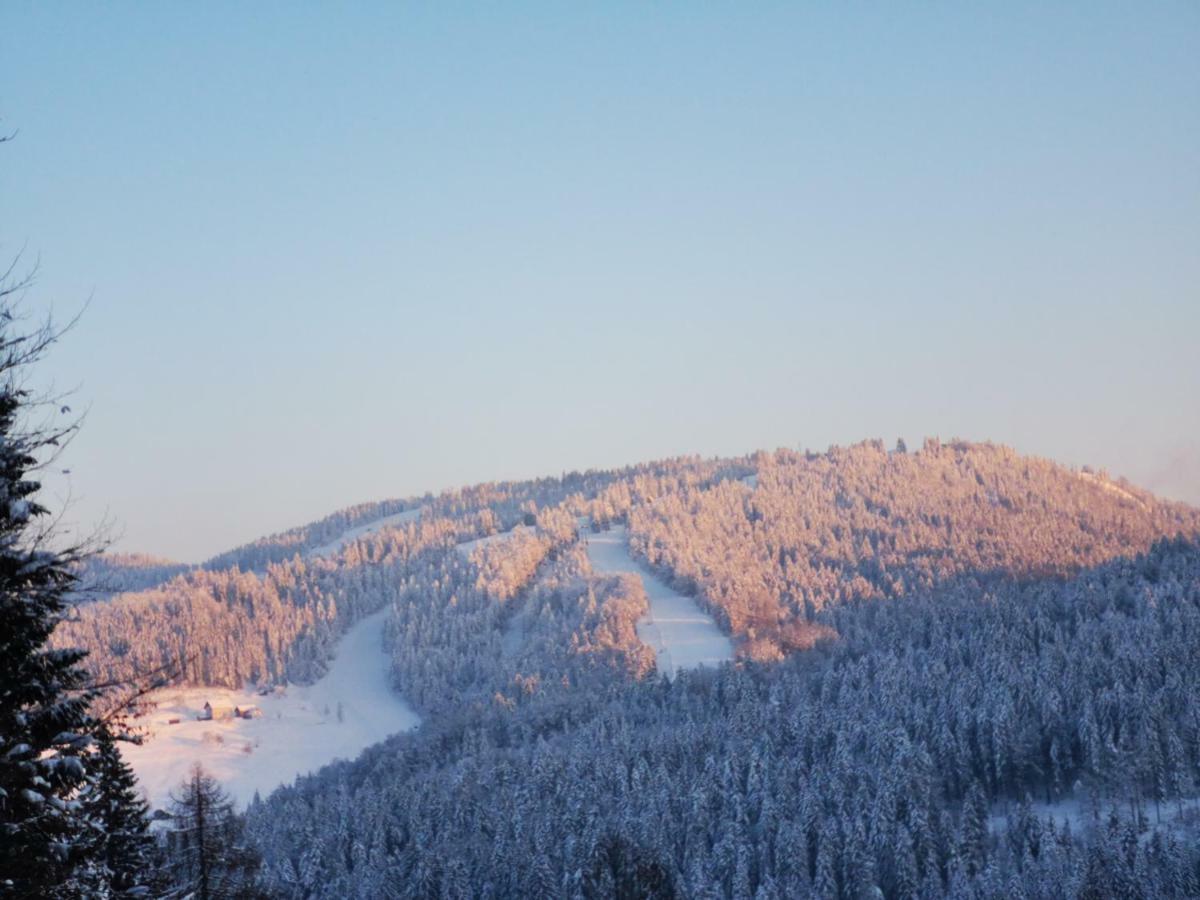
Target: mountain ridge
(816, 528)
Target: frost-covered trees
(818, 530)
(928, 640)
(898, 759)
(105, 574)
(45, 723)
(859, 523)
(230, 627)
(119, 840)
(205, 851)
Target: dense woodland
(860, 522)
(105, 574)
(229, 627)
(271, 621)
(928, 642)
(878, 760)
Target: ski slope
(299, 731)
(466, 547)
(681, 634)
(353, 534)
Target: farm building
(211, 712)
(247, 712)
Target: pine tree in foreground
(45, 724)
(122, 845)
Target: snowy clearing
(750, 481)
(349, 709)
(1175, 814)
(1111, 488)
(400, 518)
(681, 634)
(466, 547)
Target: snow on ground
(1111, 488)
(353, 534)
(466, 547)
(750, 481)
(1175, 814)
(681, 634)
(514, 635)
(349, 709)
(1073, 810)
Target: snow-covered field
(349, 709)
(346, 537)
(681, 634)
(466, 547)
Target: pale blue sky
(347, 252)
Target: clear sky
(342, 252)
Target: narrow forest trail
(466, 548)
(352, 534)
(681, 634)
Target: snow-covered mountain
(873, 654)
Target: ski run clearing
(467, 547)
(300, 730)
(305, 727)
(1083, 814)
(353, 534)
(1110, 487)
(681, 634)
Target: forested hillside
(231, 627)
(861, 522)
(257, 555)
(269, 611)
(926, 641)
(816, 529)
(106, 574)
(871, 762)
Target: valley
(301, 728)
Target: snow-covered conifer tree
(117, 816)
(46, 727)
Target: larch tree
(205, 849)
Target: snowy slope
(1077, 811)
(466, 547)
(682, 635)
(347, 537)
(299, 732)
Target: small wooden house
(247, 712)
(211, 712)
